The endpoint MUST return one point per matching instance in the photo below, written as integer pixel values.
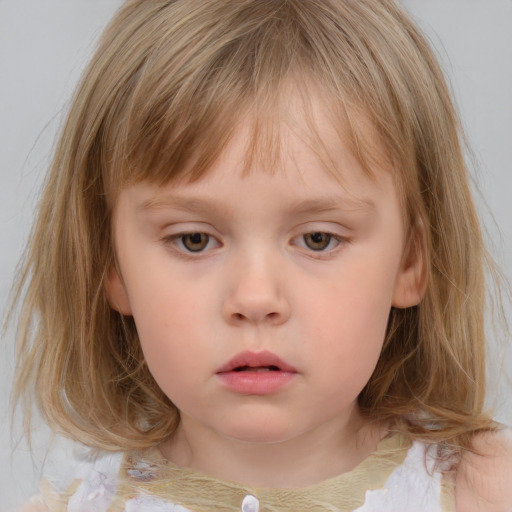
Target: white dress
(398, 477)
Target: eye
(194, 242)
(319, 241)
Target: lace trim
(151, 474)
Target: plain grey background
(43, 48)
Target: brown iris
(195, 242)
(317, 241)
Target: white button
(250, 504)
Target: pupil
(196, 238)
(318, 237)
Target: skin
(484, 478)
(257, 285)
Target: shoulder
(79, 479)
(484, 478)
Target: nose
(256, 294)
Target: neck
(304, 460)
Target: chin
(260, 432)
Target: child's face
(287, 271)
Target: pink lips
(256, 373)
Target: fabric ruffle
(398, 477)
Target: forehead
(301, 156)
(299, 124)
(177, 110)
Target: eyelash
(177, 241)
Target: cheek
(164, 323)
(348, 320)
(165, 337)
(165, 318)
(160, 297)
(358, 305)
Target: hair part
(159, 101)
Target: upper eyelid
(187, 227)
(181, 234)
(332, 227)
(177, 230)
(333, 233)
(211, 233)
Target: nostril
(239, 309)
(269, 316)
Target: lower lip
(256, 383)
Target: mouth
(246, 368)
(256, 373)
(256, 362)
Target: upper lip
(256, 360)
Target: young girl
(256, 280)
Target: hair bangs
(182, 102)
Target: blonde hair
(160, 99)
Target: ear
(411, 281)
(116, 292)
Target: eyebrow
(187, 204)
(333, 203)
(307, 206)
